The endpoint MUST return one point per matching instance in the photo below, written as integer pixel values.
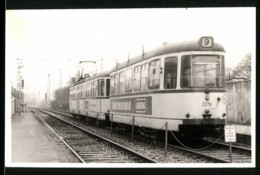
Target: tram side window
(78, 92)
(154, 74)
(137, 78)
(85, 90)
(117, 83)
(129, 80)
(170, 73)
(144, 77)
(108, 87)
(95, 88)
(121, 82)
(101, 88)
(91, 89)
(186, 71)
(81, 91)
(223, 78)
(88, 90)
(112, 85)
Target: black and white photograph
(140, 87)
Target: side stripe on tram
(169, 91)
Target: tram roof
(167, 49)
(99, 75)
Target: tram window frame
(173, 71)
(88, 89)
(121, 89)
(92, 89)
(116, 83)
(108, 87)
(185, 81)
(129, 80)
(144, 76)
(101, 88)
(81, 91)
(222, 71)
(95, 88)
(137, 78)
(84, 90)
(112, 84)
(154, 70)
(219, 71)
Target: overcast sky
(49, 40)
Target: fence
(239, 102)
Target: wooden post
(230, 152)
(166, 138)
(133, 126)
(111, 125)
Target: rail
(134, 122)
(105, 139)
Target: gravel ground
(90, 149)
(63, 152)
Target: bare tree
(242, 70)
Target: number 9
(206, 41)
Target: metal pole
(49, 92)
(230, 152)
(19, 102)
(97, 122)
(111, 125)
(100, 97)
(166, 138)
(60, 91)
(19, 84)
(133, 126)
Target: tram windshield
(202, 71)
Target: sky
(50, 41)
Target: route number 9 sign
(207, 42)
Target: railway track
(217, 153)
(87, 146)
(239, 154)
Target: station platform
(33, 142)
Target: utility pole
(19, 78)
(49, 91)
(101, 64)
(60, 86)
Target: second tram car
(90, 97)
(182, 84)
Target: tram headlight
(187, 115)
(206, 111)
(206, 114)
(224, 115)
